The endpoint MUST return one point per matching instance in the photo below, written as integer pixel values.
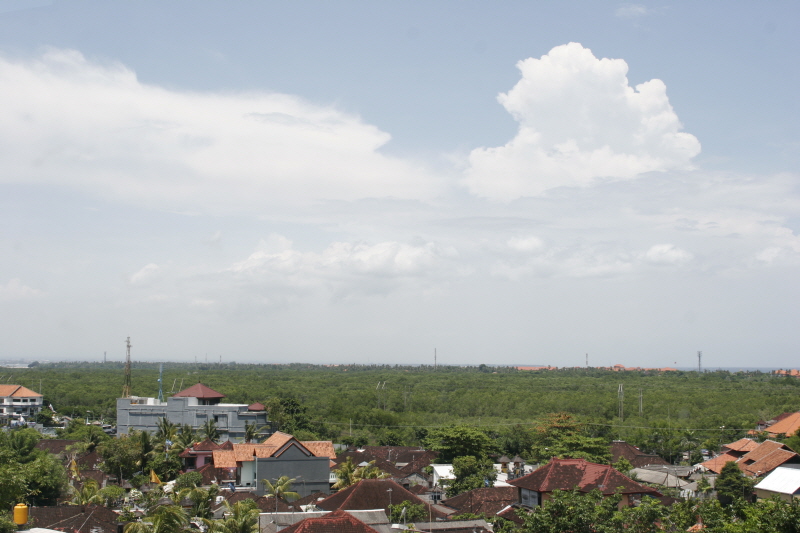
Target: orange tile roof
(715, 464)
(320, 448)
(786, 426)
(224, 458)
(279, 438)
(741, 445)
(17, 391)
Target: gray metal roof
(783, 480)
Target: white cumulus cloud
(579, 122)
(146, 274)
(667, 254)
(342, 266)
(16, 290)
(68, 121)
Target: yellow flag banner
(154, 477)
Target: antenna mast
(699, 362)
(126, 388)
(160, 382)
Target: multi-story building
(193, 406)
(19, 403)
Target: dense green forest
(401, 404)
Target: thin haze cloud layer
(239, 220)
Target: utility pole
(640, 402)
(126, 387)
(434, 358)
(699, 362)
(587, 360)
(621, 396)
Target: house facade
(19, 403)
(193, 406)
(307, 462)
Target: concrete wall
(312, 474)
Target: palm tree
(282, 488)
(164, 519)
(184, 438)
(241, 517)
(251, 431)
(209, 430)
(345, 474)
(165, 431)
(87, 494)
(369, 471)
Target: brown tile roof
(335, 522)
(488, 501)
(211, 474)
(199, 391)
(510, 513)
(787, 426)
(768, 456)
(715, 464)
(75, 518)
(373, 494)
(311, 498)
(205, 446)
(17, 391)
(257, 406)
(55, 446)
(568, 474)
(634, 455)
(227, 445)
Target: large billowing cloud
(71, 122)
(579, 123)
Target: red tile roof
(634, 455)
(768, 456)
(279, 438)
(489, 500)
(569, 474)
(257, 406)
(75, 518)
(206, 446)
(199, 391)
(335, 522)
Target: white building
(19, 403)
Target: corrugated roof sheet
(782, 480)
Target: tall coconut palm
(184, 438)
(241, 517)
(164, 519)
(210, 431)
(282, 488)
(369, 471)
(87, 494)
(165, 431)
(251, 431)
(345, 474)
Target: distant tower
(621, 395)
(126, 388)
(434, 358)
(699, 362)
(587, 360)
(104, 357)
(160, 382)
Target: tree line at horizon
(372, 404)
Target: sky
(381, 182)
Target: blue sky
(508, 183)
